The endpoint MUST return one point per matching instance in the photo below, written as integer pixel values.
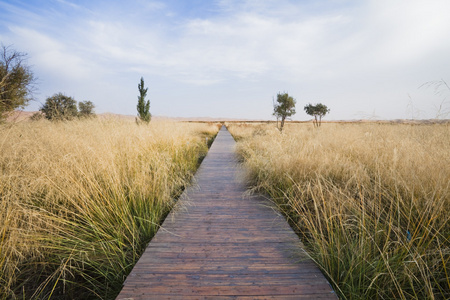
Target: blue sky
(229, 58)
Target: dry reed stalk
(371, 201)
(80, 200)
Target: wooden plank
(231, 290)
(184, 297)
(220, 243)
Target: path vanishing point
(220, 243)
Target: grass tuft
(80, 201)
(370, 201)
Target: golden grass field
(80, 200)
(370, 201)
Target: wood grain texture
(221, 243)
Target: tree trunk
(282, 123)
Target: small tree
(86, 109)
(318, 111)
(143, 108)
(284, 107)
(16, 81)
(60, 107)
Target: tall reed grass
(80, 200)
(371, 202)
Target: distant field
(370, 201)
(80, 200)
(19, 116)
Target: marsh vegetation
(371, 202)
(80, 200)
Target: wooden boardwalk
(219, 243)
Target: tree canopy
(318, 111)
(283, 107)
(16, 81)
(86, 109)
(60, 107)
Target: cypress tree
(143, 107)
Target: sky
(230, 58)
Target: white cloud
(357, 56)
(68, 3)
(404, 32)
(53, 56)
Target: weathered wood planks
(219, 243)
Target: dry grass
(80, 200)
(371, 201)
